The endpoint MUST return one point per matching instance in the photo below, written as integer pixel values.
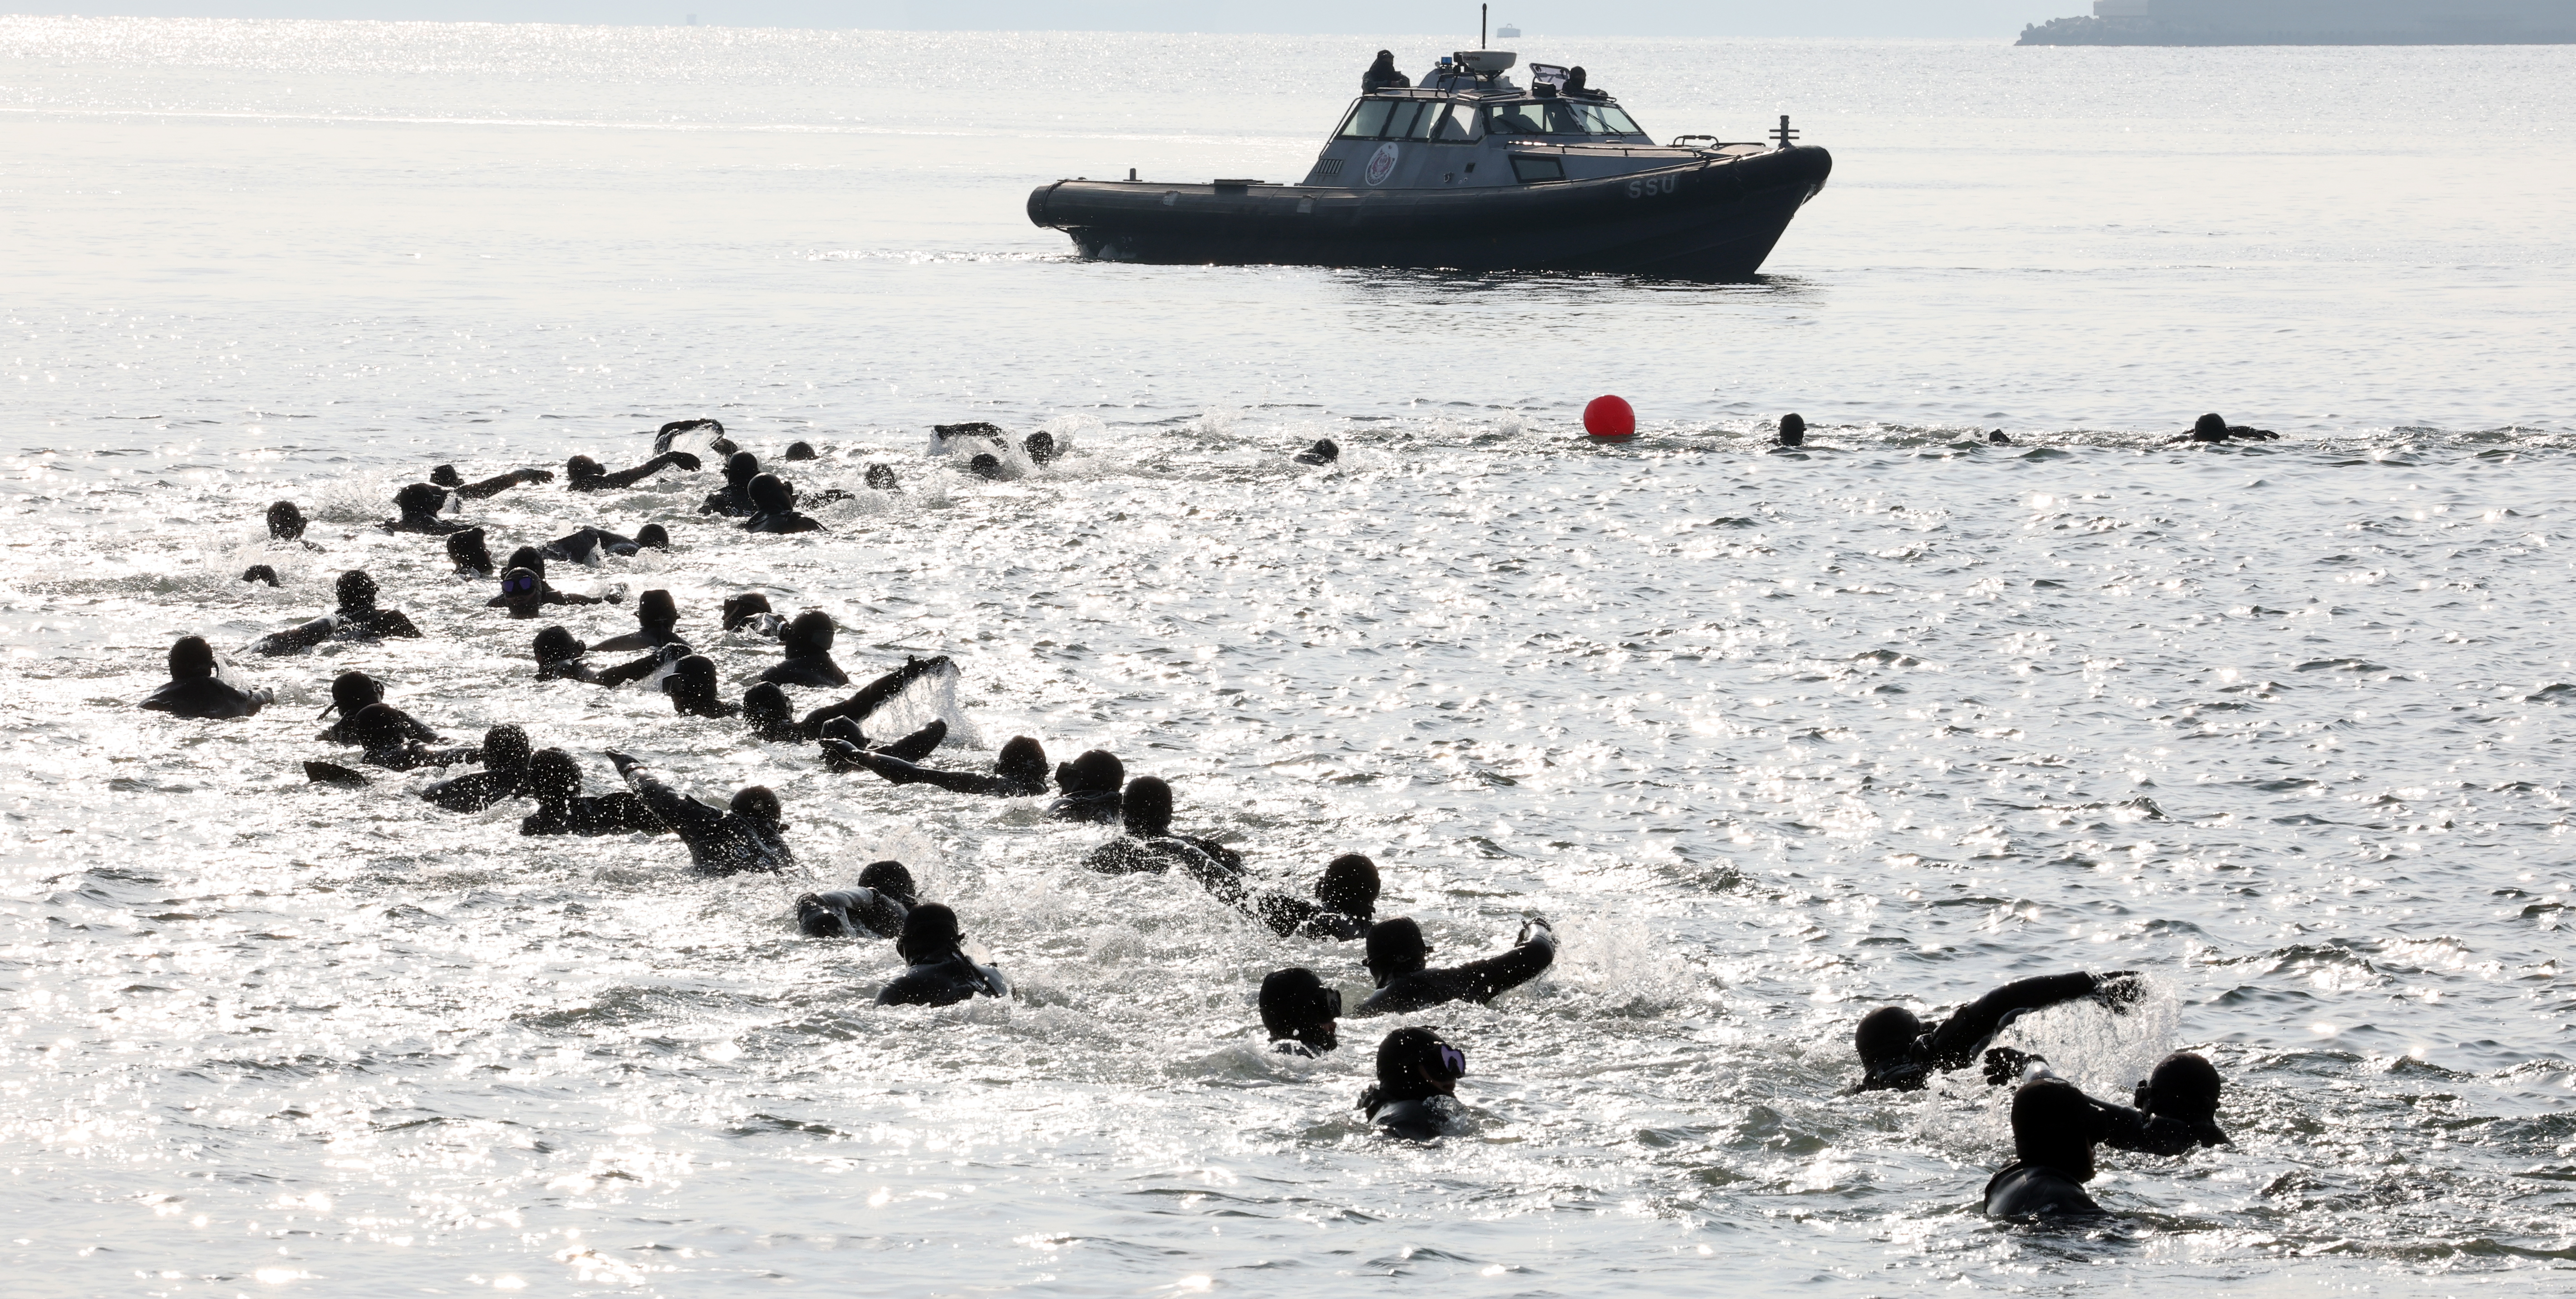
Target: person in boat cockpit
(1382, 74)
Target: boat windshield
(1562, 117)
(1393, 119)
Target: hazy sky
(1990, 18)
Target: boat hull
(1714, 219)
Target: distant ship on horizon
(2313, 22)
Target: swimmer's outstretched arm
(496, 486)
(394, 622)
(1529, 958)
(636, 670)
(2123, 1128)
(874, 694)
(630, 477)
(907, 773)
(687, 817)
(1956, 1042)
(301, 636)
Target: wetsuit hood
(356, 591)
(466, 550)
(770, 494)
(1414, 1064)
(801, 451)
(757, 803)
(1395, 949)
(285, 522)
(554, 645)
(446, 476)
(1885, 1040)
(1793, 431)
(581, 468)
(420, 500)
(880, 478)
(505, 749)
(522, 590)
(2052, 1124)
(889, 878)
(1040, 447)
(2209, 428)
(809, 635)
(351, 691)
(529, 558)
(2184, 1086)
(697, 671)
(1296, 1005)
(985, 465)
(653, 536)
(377, 726)
(191, 657)
(740, 468)
(656, 608)
(1146, 808)
(1095, 772)
(930, 933)
(553, 776)
(740, 609)
(1022, 760)
(1349, 886)
(765, 702)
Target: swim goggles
(519, 584)
(1453, 1061)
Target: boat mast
(1483, 12)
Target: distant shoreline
(2105, 31)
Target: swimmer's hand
(623, 762)
(2119, 988)
(1537, 925)
(534, 475)
(2004, 1064)
(682, 459)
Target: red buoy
(1610, 417)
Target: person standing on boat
(1382, 74)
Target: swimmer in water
(749, 835)
(880, 478)
(1324, 452)
(2215, 428)
(938, 972)
(352, 691)
(1019, 771)
(986, 466)
(1999, 438)
(417, 508)
(2055, 1127)
(286, 523)
(801, 451)
(1898, 1051)
(657, 623)
(554, 780)
(468, 552)
(876, 908)
(692, 688)
(505, 771)
(1298, 1012)
(201, 685)
(670, 433)
(1415, 1096)
(1397, 955)
(733, 500)
(750, 612)
(525, 595)
(1793, 432)
(447, 477)
(1040, 448)
(807, 646)
(844, 743)
(770, 718)
(261, 573)
(590, 544)
(1148, 846)
(777, 505)
(583, 474)
(387, 737)
(1345, 905)
(1090, 785)
(559, 658)
(356, 618)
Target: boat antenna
(1483, 12)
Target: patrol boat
(1467, 171)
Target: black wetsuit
(200, 686)
(851, 913)
(943, 981)
(846, 748)
(617, 813)
(646, 636)
(546, 594)
(360, 624)
(589, 544)
(1289, 915)
(476, 791)
(1957, 1042)
(903, 771)
(2055, 1127)
(584, 474)
(413, 729)
(1477, 981)
(721, 842)
(1414, 1118)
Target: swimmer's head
(1395, 949)
(741, 467)
(1793, 431)
(356, 591)
(351, 691)
(554, 645)
(1040, 447)
(420, 500)
(553, 776)
(467, 551)
(583, 468)
(505, 748)
(653, 536)
(1295, 1004)
(1885, 1041)
(770, 494)
(1022, 760)
(1146, 808)
(2209, 428)
(810, 634)
(285, 522)
(446, 476)
(2053, 1124)
(801, 451)
(191, 657)
(656, 608)
(985, 465)
(765, 703)
(1413, 1063)
(740, 609)
(929, 933)
(2184, 1086)
(529, 558)
(1095, 772)
(890, 879)
(377, 726)
(1349, 885)
(880, 478)
(1999, 438)
(756, 803)
(694, 672)
(522, 590)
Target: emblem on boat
(1382, 163)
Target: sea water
(1771, 738)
